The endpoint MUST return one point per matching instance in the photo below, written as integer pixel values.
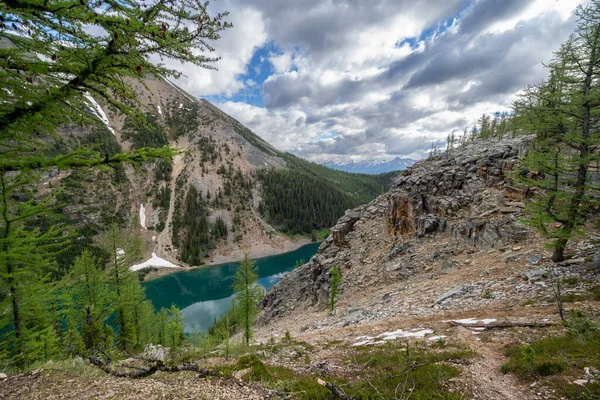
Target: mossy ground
(369, 372)
(560, 360)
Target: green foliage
(163, 170)
(182, 120)
(591, 391)
(53, 41)
(561, 112)
(306, 196)
(149, 134)
(284, 379)
(27, 262)
(335, 278)
(191, 231)
(161, 202)
(385, 372)
(247, 295)
(55, 68)
(580, 327)
(219, 229)
(88, 303)
(124, 248)
(397, 371)
(553, 355)
(175, 329)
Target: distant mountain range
(372, 167)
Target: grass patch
(572, 280)
(595, 293)
(572, 297)
(551, 356)
(395, 370)
(322, 234)
(302, 386)
(377, 372)
(560, 357)
(588, 392)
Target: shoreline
(258, 252)
(237, 256)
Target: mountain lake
(205, 293)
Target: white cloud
(281, 62)
(345, 82)
(236, 47)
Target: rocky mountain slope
(464, 197)
(204, 207)
(448, 237)
(443, 257)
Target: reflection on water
(206, 293)
(195, 317)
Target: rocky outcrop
(466, 195)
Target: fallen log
(125, 371)
(503, 324)
(202, 372)
(337, 392)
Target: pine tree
(124, 249)
(335, 278)
(27, 261)
(175, 328)
(89, 301)
(74, 63)
(247, 295)
(563, 112)
(484, 126)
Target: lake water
(205, 293)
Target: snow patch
(154, 261)
(399, 334)
(142, 216)
(99, 112)
(466, 321)
(436, 337)
(472, 321)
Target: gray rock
(154, 353)
(535, 274)
(448, 266)
(3, 376)
(455, 291)
(534, 260)
(510, 257)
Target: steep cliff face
(465, 195)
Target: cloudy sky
(371, 79)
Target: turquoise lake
(205, 293)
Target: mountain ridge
(371, 167)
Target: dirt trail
(483, 376)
